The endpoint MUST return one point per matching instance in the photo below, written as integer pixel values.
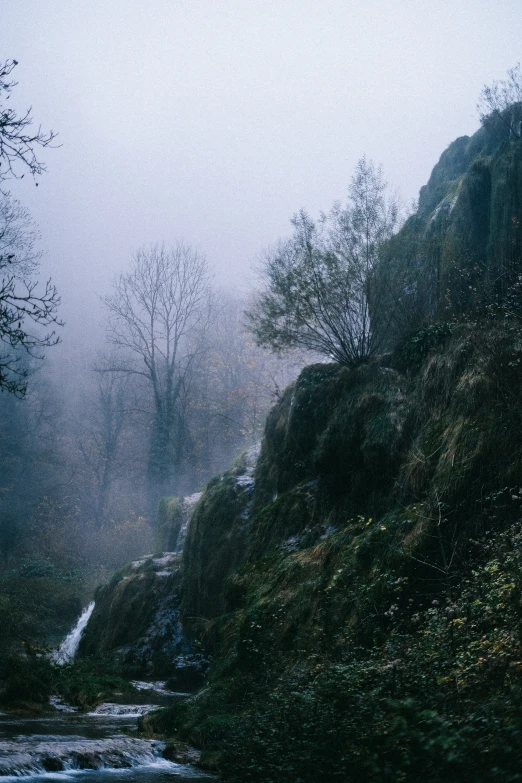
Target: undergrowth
(373, 628)
(28, 681)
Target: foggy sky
(215, 120)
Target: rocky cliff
(360, 590)
(371, 587)
(461, 250)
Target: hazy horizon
(215, 122)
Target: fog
(211, 124)
(216, 121)
(254, 421)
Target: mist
(209, 158)
(208, 125)
(216, 122)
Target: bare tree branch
(322, 293)
(158, 314)
(17, 142)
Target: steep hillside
(369, 621)
(360, 591)
(461, 251)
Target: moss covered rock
(461, 252)
(216, 543)
(136, 618)
(170, 520)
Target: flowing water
(69, 646)
(95, 748)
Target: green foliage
(28, 679)
(426, 340)
(38, 602)
(87, 683)
(433, 691)
(168, 721)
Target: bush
(26, 679)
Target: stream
(99, 746)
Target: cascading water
(67, 650)
(98, 748)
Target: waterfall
(189, 501)
(67, 650)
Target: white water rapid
(67, 649)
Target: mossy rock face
(136, 617)
(292, 431)
(360, 449)
(357, 529)
(215, 546)
(170, 520)
(368, 584)
(363, 444)
(284, 522)
(334, 441)
(462, 251)
(466, 437)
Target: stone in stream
(52, 764)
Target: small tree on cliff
(158, 314)
(322, 293)
(500, 104)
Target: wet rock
(181, 753)
(52, 764)
(88, 761)
(186, 678)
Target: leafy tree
(321, 291)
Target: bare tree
(101, 441)
(17, 141)
(24, 307)
(321, 291)
(27, 310)
(158, 314)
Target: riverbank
(101, 745)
